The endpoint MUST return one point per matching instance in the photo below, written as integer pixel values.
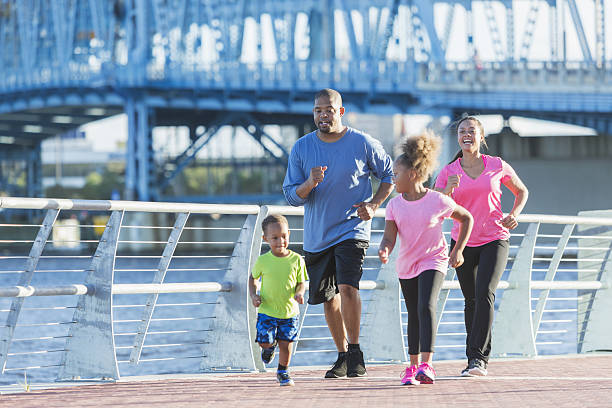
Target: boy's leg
(266, 333)
(285, 349)
(286, 335)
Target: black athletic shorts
(340, 264)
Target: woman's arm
(521, 194)
(388, 241)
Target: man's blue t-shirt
(329, 215)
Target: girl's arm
(388, 241)
(466, 222)
(520, 199)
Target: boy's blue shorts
(270, 328)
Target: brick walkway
(584, 381)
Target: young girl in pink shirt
(416, 215)
(474, 181)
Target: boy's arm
(253, 286)
(300, 289)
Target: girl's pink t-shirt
(419, 226)
(481, 197)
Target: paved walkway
(573, 381)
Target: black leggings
(421, 297)
(478, 277)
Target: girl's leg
(466, 275)
(493, 259)
(284, 356)
(410, 290)
(429, 283)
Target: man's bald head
(334, 96)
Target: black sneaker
(355, 367)
(477, 367)
(338, 370)
(466, 371)
(267, 354)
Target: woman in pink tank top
(416, 215)
(474, 181)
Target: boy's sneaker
(338, 370)
(425, 374)
(477, 367)
(408, 376)
(284, 379)
(267, 354)
(355, 366)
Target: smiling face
(328, 114)
(277, 236)
(469, 135)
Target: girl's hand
(456, 259)
(383, 255)
(299, 297)
(509, 222)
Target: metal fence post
(513, 329)
(228, 343)
(594, 327)
(382, 336)
(90, 348)
(24, 280)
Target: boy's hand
(299, 297)
(256, 299)
(455, 259)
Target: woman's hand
(509, 222)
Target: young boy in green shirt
(282, 273)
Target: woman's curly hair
(420, 153)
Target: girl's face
(469, 136)
(403, 177)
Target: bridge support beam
(140, 170)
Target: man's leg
(334, 318)
(349, 257)
(351, 312)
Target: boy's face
(277, 236)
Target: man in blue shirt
(329, 174)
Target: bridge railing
(348, 75)
(152, 288)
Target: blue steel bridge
(206, 64)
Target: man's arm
(366, 209)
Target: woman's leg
(466, 275)
(493, 259)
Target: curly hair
(420, 153)
(273, 219)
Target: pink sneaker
(408, 376)
(425, 374)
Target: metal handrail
(226, 308)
